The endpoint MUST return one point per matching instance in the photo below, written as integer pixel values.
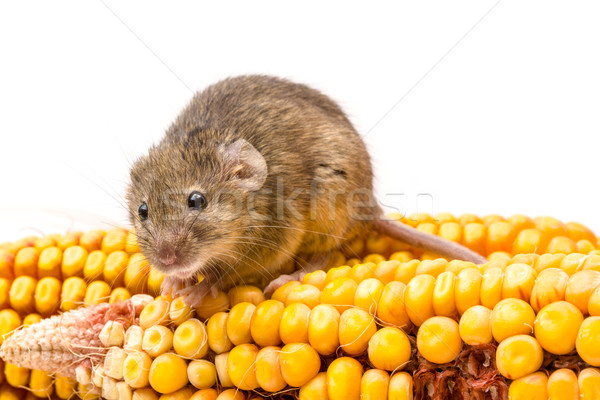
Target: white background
(490, 107)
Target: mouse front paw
(194, 294)
(282, 280)
(172, 286)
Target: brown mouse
(257, 176)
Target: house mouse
(258, 176)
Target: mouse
(259, 177)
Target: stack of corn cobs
(82, 316)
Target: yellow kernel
(168, 373)
(73, 261)
(97, 292)
(5, 285)
(115, 240)
(249, 294)
(562, 385)
(589, 384)
(131, 243)
(432, 267)
(268, 369)
(316, 388)
(231, 394)
(136, 369)
(179, 312)
(587, 341)
(49, 262)
(374, 385)
(64, 387)
(360, 272)
(22, 294)
(7, 260)
(16, 376)
(356, 327)
(119, 294)
(339, 293)
(316, 278)
(529, 241)
(344, 376)
(68, 239)
(47, 296)
(204, 394)
(438, 340)
(323, 327)
(134, 337)
(491, 287)
(467, 289)
(26, 261)
(155, 280)
(389, 349)
(572, 263)
(282, 292)
(373, 258)
(556, 327)
(529, 259)
(520, 222)
(303, 293)
(181, 394)
(474, 236)
(418, 298)
(9, 321)
(561, 244)
(113, 362)
(512, 317)
(136, 274)
(549, 287)
(45, 242)
(458, 265)
(216, 328)
(546, 261)
(299, 363)
(406, 271)
(451, 230)
(530, 387)
(114, 268)
(94, 265)
(72, 293)
(155, 313)
(212, 305)
(190, 339)
(519, 356)
(518, 281)
(444, 303)
(293, 327)
(402, 256)
(241, 366)
(385, 271)
(390, 309)
(157, 340)
(500, 237)
(401, 386)
(499, 256)
(202, 374)
(92, 240)
(367, 295)
(31, 319)
(238, 323)
(585, 246)
(264, 325)
(377, 244)
(577, 231)
(580, 287)
(475, 326)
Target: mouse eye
(143, 212)
(197, 200)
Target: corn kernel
(529, 259)
(316, 279)
(499, 256)
(113, 362)
(323, 327)
(401, 387)
(518, 282)
(389, 349)
(9, 321)
(443, 300)
(529, 241)
(231, 394)
(456, 266)
(221, 362)
(451, 230)
(155, 313)
(97, 292)
(367, 295)
(491, 219)
(572, 263)
(22, 294)
(40, 383)
(119, 294)
(549, 287)
(136, 369)
(73, 261)
(299, 363)
(356, 327)
(500, 237)
(7, 261)
(316, 388)
(390, 309)
(519, 356)
(556, 327)
(216, 329)
(587, 341)
(406, 271)
(402, 256)
(112, 334)
(491, 287)
(92, 240)
(115, 240)
(438, 340)
(168, 373)
(585, 246)
(26, 262)
(202, 374)
(475, 326)
(123, 391)
(530, 387)
(561, 244)
(16, 376)
(344, 376)
(145, 394)
(418, 298)
(369, 258)
(241, 366)
(49, 263)
(131, 243)
(265, 321)
(385, 271)
(304, 293)
(190, 339)
(238, 323)
(520, 222)
(64, 387)
(136, 274)
(580, 287)
(293, 327)
(589, 384)
(179, 311)
(474, 237)
(511, 317)
(246, 293)
(114, 268)
(31, 319)
(157, 340)
(432, 267)
(282, 292)
(562, 385)
(47, 296)
(268, 369)
(467, 288)
(339, 293)
(205, 394)
(72, 293)
(69, 239)
(374, 385)
(94, 265)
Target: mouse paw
(194, 294)
(172, 286)
(282, 280)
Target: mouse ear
(244, 164)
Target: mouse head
(184, 201)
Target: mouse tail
(415, 238)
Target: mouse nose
(166, 255)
